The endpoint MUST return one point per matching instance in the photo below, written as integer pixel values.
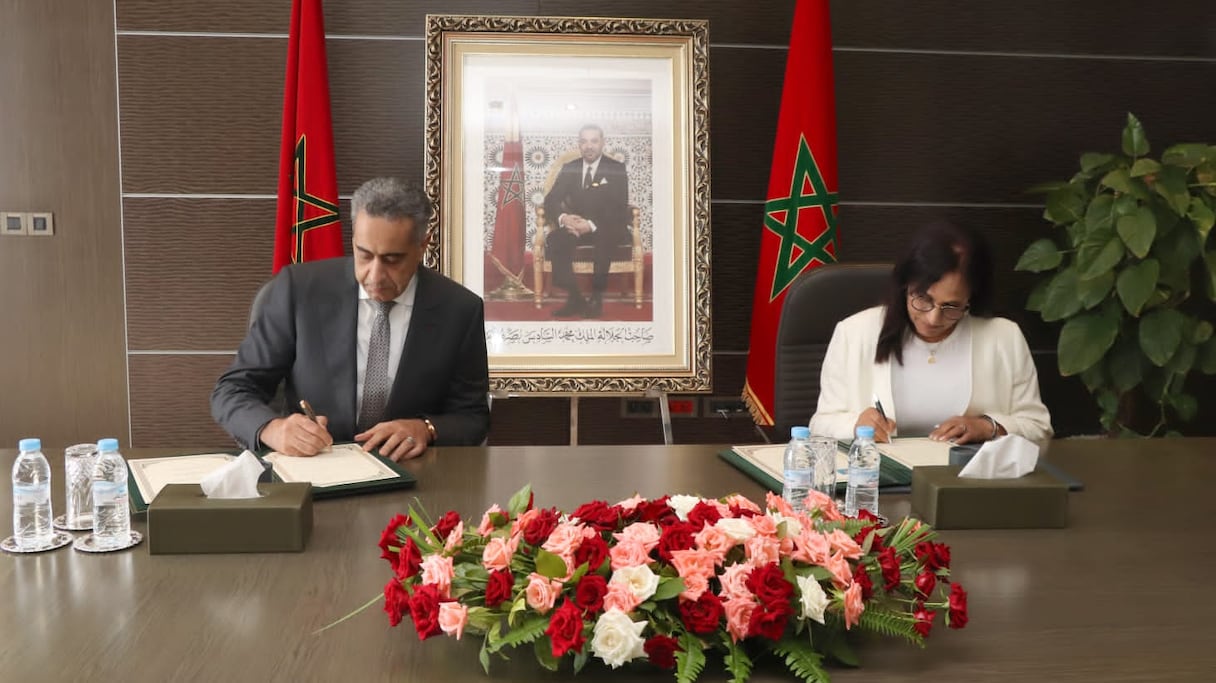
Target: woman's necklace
(932, 352)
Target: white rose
(792, 526)
(682, 504)
(617, 638)
(737, 528)
(814, 600)
(641, 581)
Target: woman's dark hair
(934, 250)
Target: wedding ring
(411, 440)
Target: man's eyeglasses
(949, 311)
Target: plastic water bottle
(111, 516)
(797, 468)
(862, 493)
(31, 497)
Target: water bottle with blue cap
(111, 516)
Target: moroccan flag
(306, 226)
(799, 229)
(507, 254)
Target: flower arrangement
(669, 579)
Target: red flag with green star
(799, 230)
(306, 226)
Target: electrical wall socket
(13, 223)
(41, 224)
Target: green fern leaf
(690, 660)
(736, 660)
(802, 660)
(531, 629)
(891, 623)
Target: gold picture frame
(515, 106)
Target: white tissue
(1008, 457)
(237, 479)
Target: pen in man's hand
(312, 415)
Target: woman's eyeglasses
(949, 311)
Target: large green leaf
(1101, 261)
(1118, 179)
(1092, 160)
(1065, 205)
(1100, 213)
(1094, 290)
(1138, 229)
(1171, 184)
(1062, 300)
(1209, 282)
(1183, 360)
(1201, 332)
(1176, 252)
(549, 564)
(1038, 295)
(1085, 339)
(1135, 142)
(1202, 216)
(1136, 283)
(1125, 363)
(1188, 154)
(1125, 205)
(1184, 405)
(1041, 255)
(1144, 167)
(1160, 334)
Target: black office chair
(816, 301)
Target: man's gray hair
(395, 199)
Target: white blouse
(934, 381)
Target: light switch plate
(40, 224)
(12, 223)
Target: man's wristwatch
(430, 430)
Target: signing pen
(312, 415)
(878, 406)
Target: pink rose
(816, 500)
(811, 547)
(738, 616)
(842, 576)
(629, 504)
(762, 549)
(542, 592)
(620, 596)
(437, 571)
(498, 553)
(487, 520)
(853, 606)
(737, 501)
(628, 554)
(565, 539)
(843, 542)
(453, 617)
(522, 521)
(640, 532)
(455, 538)
(696, 567)
(713, 540)
(764, 525)
(734, 582)
(773, 501)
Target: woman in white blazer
(933, 356)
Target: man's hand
(883, 427)
(576, 224)
(297, 435)
(397, 439)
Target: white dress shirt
(398, 323)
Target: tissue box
(941, 498)
(182, 520)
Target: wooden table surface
(1125, 593)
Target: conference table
(1125, 593)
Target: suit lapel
(339, 327)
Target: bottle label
(108, 493)
(32, 495)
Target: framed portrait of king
(568, 160)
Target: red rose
(889, 564)
(390, 539)
(543, 524)
(409, 560)
(933, 555)
(741, 512)
(445, 525)
(925, 582)
(662, 651)
(566, 628)
(861, 577)
(590, 592)
(424, 609)
(703, 614)
(599, 515)
(676, 536)
(867, 516)
(868, 530)
(703, 513)
(924, 619)
(498, 587)
(593, 551)
(958, 606)
(396, 601)
(769, 585)
(769, 620)
(657, 511)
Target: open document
(151, 474)
(340, 464)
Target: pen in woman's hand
(877, 406)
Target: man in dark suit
(589, 204)
(388, 352)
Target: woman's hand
(883, 427)
(962, 430)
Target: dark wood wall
(945, 109)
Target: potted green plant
(1130, 273)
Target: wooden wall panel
(62, 369)
(766, 23)
(171, 401)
